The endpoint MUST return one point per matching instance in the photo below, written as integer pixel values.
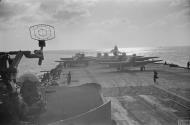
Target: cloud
(173, 20)
(180, 16)
(64, 10)
(9, 10)
(28, 12)
(185, 3)
(110, 22)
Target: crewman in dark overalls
(155, 77)
(69, 78)
(188, 65)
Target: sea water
(176, 55)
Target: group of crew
(155, 73)
(55, 74)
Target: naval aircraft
(119, 56)
(79, 58)
(130, 61)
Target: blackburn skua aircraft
(131, 61)
(79, 58)
(119, 56)
(122, 57)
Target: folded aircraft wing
(92, 58)
(87, 59)
(106, 60)
(66, 58)
(145, 58)
(65, 61)
(116, 62)
(58, 61)
(142, 63)
(68, 61)
(129, 64)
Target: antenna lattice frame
(42, 32)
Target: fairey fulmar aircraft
(131, 61)
(123, 61)
(79, 58)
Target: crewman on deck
(165, 63)
(65, 65)
(155, 76)
(69, 78)
(188, 64)
(142, 68)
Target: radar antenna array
(42, 32)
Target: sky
(96, 24)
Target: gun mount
(9, 61)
